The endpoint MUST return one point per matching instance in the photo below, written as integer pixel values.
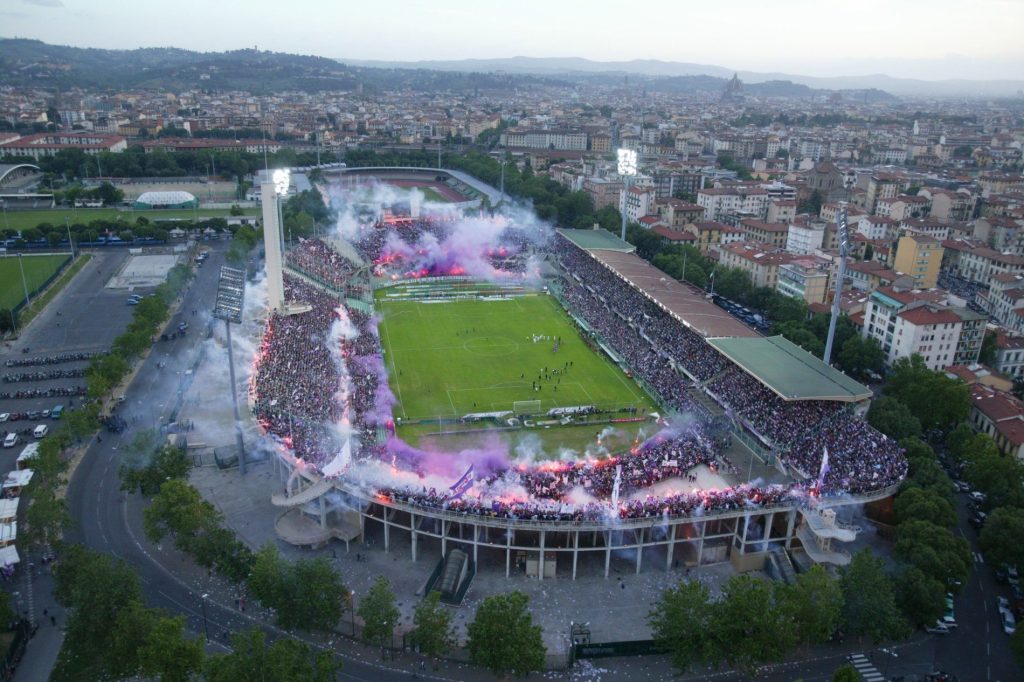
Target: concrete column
(700, 543)
(323, 512)
(639, 550)
(575, 552)
(476, 543)
(607, 553)
(387, 531)
(508, 555)
(743, 538)
(412, 529)
(790, 523)
(444, 538)
(671, 546)
(769, 518)
(540, 568)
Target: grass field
(452, 358)
(37, 270)
(22, 220)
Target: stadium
(497, 393)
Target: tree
(869, 605)
(858, 356)
(8, 320)
(921, 598)
(379, 613)
(180, 510)
(503, 638)
(893, 418)
(933, 549)
(747, 626)
(433, 632)
(47, 517)
(109, 195)
(1017, 646)
(1001, 537)
(307, 594)
(151, 470)
(989, 347)
(679, 623)
(286, 660)
(926, 505)
(813, 605)
(846, 673)
(936, 400)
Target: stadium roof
(165, 198)
(789, 370)
(596, 239)
(684, 302)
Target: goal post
(525, 407)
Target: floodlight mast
(230, 301)
(843, 233)
(627, 169)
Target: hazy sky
(932, 39)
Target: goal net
(526, 407)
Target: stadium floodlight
(843, 230)
(282, 178)
(627, 169)
(230, 299)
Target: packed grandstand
(330, 407)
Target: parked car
(978, 497)
(1009, 622)
(939, 628)
(5, 416)
(40, 431)
(11, 440)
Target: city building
(919, 257)
(757, 259)
(806, 279)
(1001, 416)
(49, 144)
(907, 322)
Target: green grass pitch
(452, 358)
(37, 270)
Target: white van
(11, 440)
(40, 430)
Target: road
(109, 521)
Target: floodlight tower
(843, 233)
(627, 169)
(230, 300)
(272, 189)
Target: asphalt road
(109, 521)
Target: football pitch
(37, 270)
(451, 358)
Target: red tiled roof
(927, 315)
(673, 235)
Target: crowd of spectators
(322, 263)
(780, 422)
(296, 375)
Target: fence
(32, 293)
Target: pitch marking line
(394, 370)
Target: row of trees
(927, 411)
(790, 317)
(122, 226)
(756, 621)
(111, 634)
(134, 162)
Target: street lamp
(24, 284)
(230, 299)
(206, 624)
(627, 169)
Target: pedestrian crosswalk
(866, 668)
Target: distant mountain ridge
(557, 66)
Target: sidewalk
(35, 596)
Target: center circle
(491, 347)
